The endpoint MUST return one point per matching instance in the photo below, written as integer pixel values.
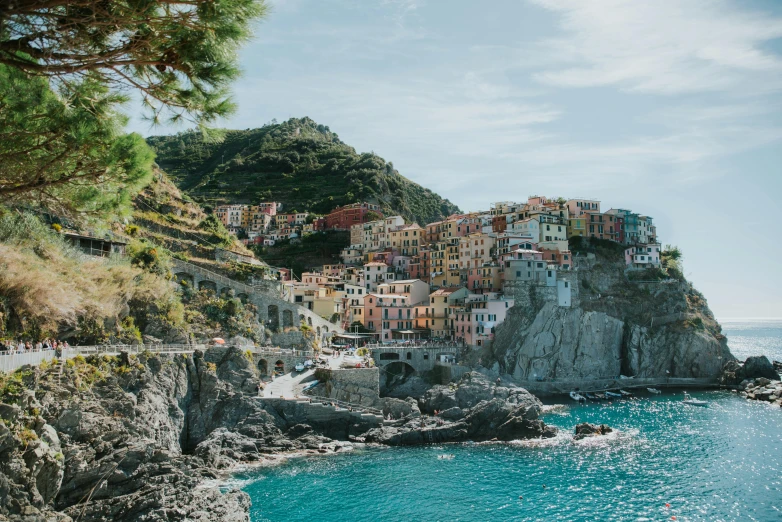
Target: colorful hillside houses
(452, 280)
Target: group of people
(11, 346)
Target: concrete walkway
(287, 386)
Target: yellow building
(407, 239)
(435, 316)
(475, 250)
(576, 226)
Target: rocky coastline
(153, 437)
(149, 437)
(756, 379)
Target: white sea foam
(560, 438)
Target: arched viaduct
(275, 313)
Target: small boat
(308, 363)
(299, 367)
(600, 396)
(576, 397)
(625, 393)
(688, 399)
(310, 385)
(613, 395)
(445, 457)
(591, 397)
(654, 391)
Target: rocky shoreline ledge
(149, 437)
(757, 379)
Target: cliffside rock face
(568, 343)
(475, 409)
(614, 327)
(126, 439)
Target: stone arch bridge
(419, 358)
(274, 312)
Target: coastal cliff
(131, 438)
(617, 323)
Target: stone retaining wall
(293, 340)
(357, 386)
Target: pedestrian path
(287, 386)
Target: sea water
(666, 459)
(754, 337)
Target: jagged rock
(586, 429)
(474, 409)
(398, 408)
(223, 448)
(759, 366)
(454, 413)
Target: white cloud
(665, 46)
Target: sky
(670, 108)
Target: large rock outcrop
(734, 373)
(614, 326)
(134, 438)
(474, 409)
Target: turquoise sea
(666, 460)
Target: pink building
(563, 259)
(390, 316)
(269, 207)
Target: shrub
(26, 436)
(149, 257)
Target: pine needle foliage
(179, 55)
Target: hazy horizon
(671, 109)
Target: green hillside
(298, 163)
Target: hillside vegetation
(299, 163)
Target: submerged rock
(586, 429)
